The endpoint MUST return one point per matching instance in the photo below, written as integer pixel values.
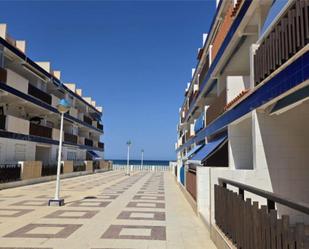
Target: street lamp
(142, 161)
(128, 158)
(62, 107)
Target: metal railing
(250, 226)
(39, 130)
(9, 172)
(142, 168)
(50, 169)
(2, 122)
(79, 166)
(39, 94)
(71, 138)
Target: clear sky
(133, 57)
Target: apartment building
(242, 132)
(29, 120)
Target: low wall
(89, 165)
(30, 169)
(67, 167)
(41, 179)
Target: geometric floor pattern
(102, 211)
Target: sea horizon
(138, 162)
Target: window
(71, 156)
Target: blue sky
(133, 57)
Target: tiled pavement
(102, 211)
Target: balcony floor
(120, 217)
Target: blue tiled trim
(223, 46)
(42, 104)
(293, 75)
(40, 69)
(30, 138)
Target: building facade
(29, 120)
(245, 113)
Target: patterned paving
(102, 211)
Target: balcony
(100, 126)
(70, 138)
(39, 94)
(3, 75)
(40, 131)
(2, 122)
(101, 145)
(88, 142)
(216, 108)
(225, 26)
(14, 124)
(288, 36)
(87, 120)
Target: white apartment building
(29, 120)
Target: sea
(145, 162)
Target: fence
(9, 172)
(142, 168)
(251, 226)
(79, 166)
(50, 169)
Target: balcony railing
(223, 29)
(70, 138)
(100, 126)
(41, 131)
(2, 122)
(3, 75)
(9, 172)
(216, 108)
(36, 92)
(88, 142)
(250, 226)
(287, 37)
(101, 145)
(87, 120)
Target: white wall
(235, 85)
(240, 144)
(8, 148)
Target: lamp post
(62, 107)
(128, 158)
(142, 161)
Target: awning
(195, 149)
(208, 149)
(94, 155)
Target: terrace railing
(79, 166)
(250, 226)
(88, 142)
(142, 168)
(10, 172)
(2, 122)
(70, 138)
(191, 181)
(101, 145)
(288, 36)
(41, 131)
(87, 120)
(100, 126)
(216, 108)
(39, 94)
(50, 169)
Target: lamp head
(129, 143)
(63, 106)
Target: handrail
(271, 197)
